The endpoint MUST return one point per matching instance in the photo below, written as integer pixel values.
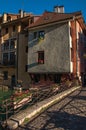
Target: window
(9, 18)
(5, 75)
(5, 58)
(41, 34)
(40, 57)
(26, 68)
(14, 28)
(35, 35)
(13, 81)
(6, 30)
(31, 20)
(36, 78)
(12, 58)
(6, 45)
(12, 44)
(26, 49)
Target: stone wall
(56, 50)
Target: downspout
(70, 46)
(76, 48)
(17, 59)
(76, 52)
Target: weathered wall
(56, 50)
(22, 60)
(11, 71)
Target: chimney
(59, 9)
(4, 17)
(21, 13)
(24, 14)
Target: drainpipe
(76, 52)
(17, 58)
(76, 48)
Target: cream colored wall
(10, 33)
(21, 55)
(11, 70)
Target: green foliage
(5, 95)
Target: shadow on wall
(32, 65)
(33, 43)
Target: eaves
(14, 21)
(53, 23)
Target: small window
(9, 18)
(12, 58)
(31, 20)
(6, 30)
(26, 49)
(12, 44)
(41, 34)
(14, 28)
(40, 57)
(35, 35)
(5, 58)
(6, 45)
(5, 75)
(26, 68)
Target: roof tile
(50, 17)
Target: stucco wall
(11, 71)
(22, 60)
(56, 50)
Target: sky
(37, 7)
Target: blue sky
(39, 6)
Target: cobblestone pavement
(68, 114)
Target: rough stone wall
(56, 50)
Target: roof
(16, 20)
(50, 17)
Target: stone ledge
(19, 118)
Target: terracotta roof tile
(50, 17)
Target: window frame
(6, 30)
(40, 57)
(14, 28)
(35, 35)
(41, 34)
(5, 75)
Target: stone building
(55, 47)
(13, 48)
(42, 48)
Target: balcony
(8, 64)
(13, 34)
(8, 45)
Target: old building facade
(13, 44)
(55, 46)
(46, 48)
